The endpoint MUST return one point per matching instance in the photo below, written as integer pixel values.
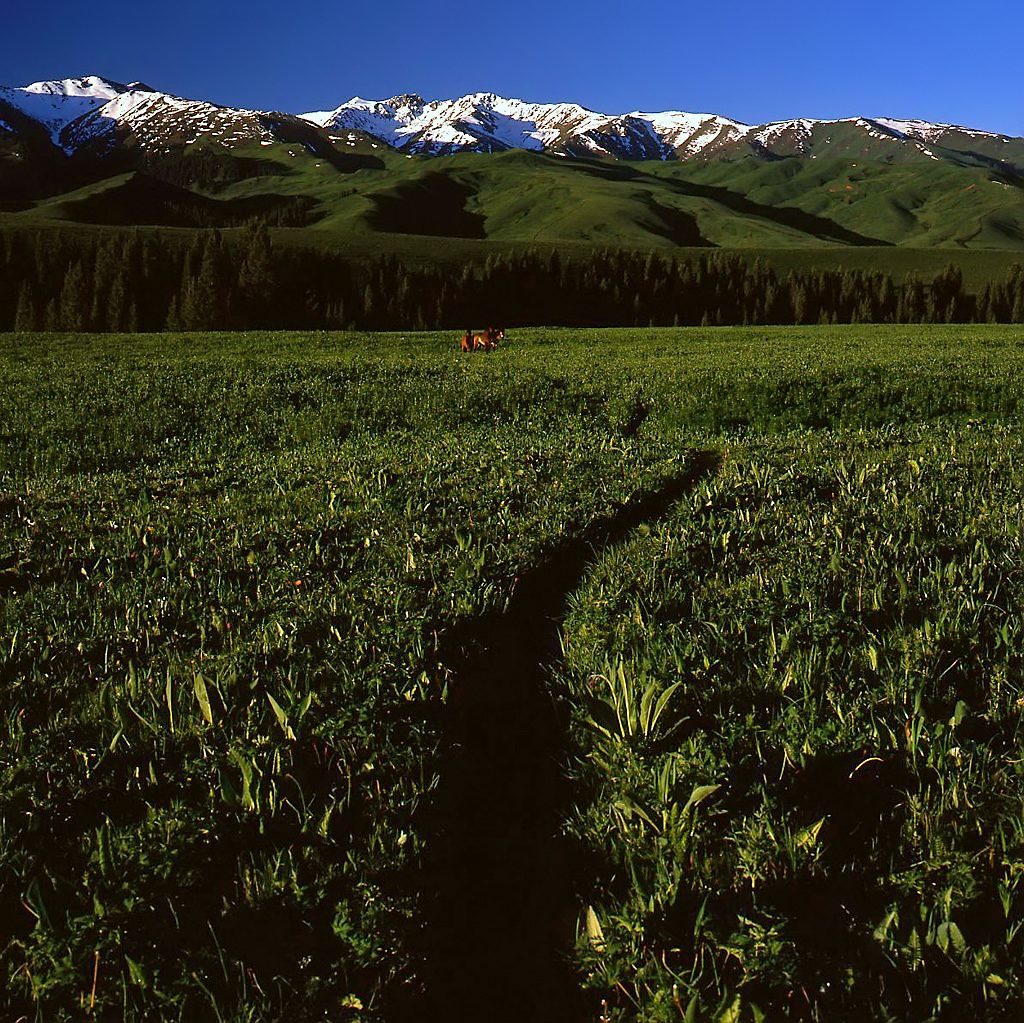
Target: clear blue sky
(755, 61)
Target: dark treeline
(138, 280)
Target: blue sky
(940, 60)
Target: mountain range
(101, 151)
(484, 122)
(94, 113)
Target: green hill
(527, 197)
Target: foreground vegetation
(799, 715)
(242, 583)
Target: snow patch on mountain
(928, 131)
(690, 134)
(90, 87)
(797, 132)
(160, 121)
(384, 119)
(486, 121)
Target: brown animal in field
(488, 341)
(485, 342)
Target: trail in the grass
(501, 910)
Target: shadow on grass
(500, 909)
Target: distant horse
(485, 342)
(488, 340)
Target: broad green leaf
(699, 794)
(594, 932)
(731, 1013)
(631, 808)
(282, 717)
(808, 837)
(136, 973)
(203, 698)
(947, 935)
(246, 769)
(663, 700)
(882, 930)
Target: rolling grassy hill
(934, 204)
(519, 196)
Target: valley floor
(618, 674)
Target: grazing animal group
(485, 342)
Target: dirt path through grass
(501, 916)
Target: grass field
(636, 675)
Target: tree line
(138, 280)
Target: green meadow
(634, 675)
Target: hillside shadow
(433, 204)
(141, 199)
(679, 227)
(786, 216)
(500, 911)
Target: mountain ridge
(76, 112)
(486, 122)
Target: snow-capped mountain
(96, 116)
(159, 122)
(56, 104)
(484, 122)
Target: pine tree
(25, 318)
(173, 320)
(366, 317)
(256, 276)
(73, 311)
(212, 293)
(116, 313)
(1017, 315)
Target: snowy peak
(56, 104)
(383, 119)
(157, 122)
(690, 134)
(95, 115)
(90, 87)
(483, 122)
